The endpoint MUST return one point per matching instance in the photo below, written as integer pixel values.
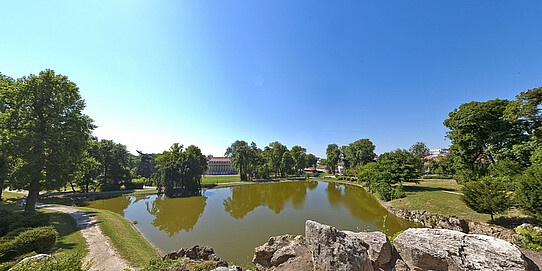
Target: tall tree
(481, 133)
(333, 154)
(46, 131)
(275, 151)
(312, 160)
(146, 165)
(487, 196)
(181, 170)
(420, 151)
(286, 164)
(359, 152)
(114, 159)
(240, 154)
(299, 155)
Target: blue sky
(304, 73)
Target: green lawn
(70, 241)
(442, 203)
(220, 179)
(11, 195)
(126, 239)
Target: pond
(235, 220)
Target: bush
(437, 177)
(14, 233)
(529, 191)
(22, 220)
(487, 196)
(135, 183)
(56, 263)
(39, 240)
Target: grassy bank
(220, 179)
(127, 240)
(70, 241)
(443, 203)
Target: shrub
(40, 240)
(487, 196)
(57, 263)
(14, 233)
(437, 177)
(22, 220)
(529, 191)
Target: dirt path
(99, 246)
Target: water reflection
(362, 205)
(174, 215)
(244, 199)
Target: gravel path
(100, 249)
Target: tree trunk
(73, 188)
(1, 189)
(33, 192)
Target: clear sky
(304, 73)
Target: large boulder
(439, 249)
(286, 252)
(336, 250)
(379, 249)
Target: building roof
(220, 159)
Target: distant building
(438, 152)
(321, 168)
(310, 170)
(340, 168)
(219, 166)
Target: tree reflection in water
(172, 215)
(244, 199)
(362, 205)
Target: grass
(220, 179)
(446, 204)
(70, 241)
(11, 195)
(127, 240)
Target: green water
(235, 220)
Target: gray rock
(335, 250)
(379, 250)
(286, 252)
(439, 249)
(231, 268)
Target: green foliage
(39, 240)
(359, 152)
(529, 191)
(15, 221)
(166, 264)
(182, 170)
(44, 131)
(55, 263)
(299, 157)
(487, 196)
(333, 156)
(114, 162)
(420, 151)
(436, 177)
(533, 239)
(398, 166)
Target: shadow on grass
(512, 222)
(416, 188)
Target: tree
(420, 151)
(299, 155)
(487, 196)
(442, 165)
(114, 160)
(286, 164)
(5, 82)
(274, 153)
(312, 160)
(146, 165)
(241, 155)
(359, 152)
(45, 130)
(529, 191)
(333, 154)
(398, 166)
(481, 133)
(181, 170)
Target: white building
(219, 166)
(438, 152)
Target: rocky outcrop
(197, 255)
(332, 249)
(430, 220)
(439, 249)
(415, 250)
(286, 252)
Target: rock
(231, 268)
(35, 258)
(400, 265)
(439, 249)
(286, 252)
(379, 250)
(335, 250)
